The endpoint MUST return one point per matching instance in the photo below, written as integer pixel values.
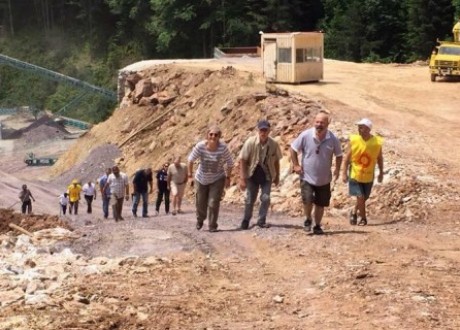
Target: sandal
(363, 222)
(353, 218)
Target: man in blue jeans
(142, 181)
(259, 169)
(105, 196)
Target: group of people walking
(313, 155)
(259, 161)
(114, 189)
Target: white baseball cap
(365, 122)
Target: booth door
(270, 59)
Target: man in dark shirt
(141, 183)
(25, 196)
(162, 185)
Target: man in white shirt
(119, 188)
(89, 191)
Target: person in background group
(363, 153)
(119, 189)
(89, 192)
(74, 191)
(142, 181)
(26, 198)
(63, 202)
(105, 195)
(259, 168)
(163, 191)
(177, 181)
(317, 145)
(212, 175)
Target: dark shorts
(318, 195)
(359, 189)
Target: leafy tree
(427, 21)
(369, 29)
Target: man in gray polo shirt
(317, 145)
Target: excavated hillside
(167, 109)
(400, 271)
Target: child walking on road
(63, 202)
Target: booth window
(284, 55)
(308, 55)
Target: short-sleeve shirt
(102, 181)
(317, 156)
(212, 163)
(63, 200)
(118, 185)
(141, 181)
(88, 190)
(162, 180)
(24, 195)
(266, 156)
(177, 174)
(74, 192)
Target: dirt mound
(400, 271)
(167, 109)
(30, 222)
(44, 128)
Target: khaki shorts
(177, 189)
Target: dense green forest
(92, 39)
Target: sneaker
(317, 230)
(353, 218)
(307, 224)
(244, 225)
(363, 222)
(199, 225)
(213, 230)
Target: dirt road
(388, 275)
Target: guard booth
(294, 57)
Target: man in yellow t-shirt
(74, 190)
(363, 153)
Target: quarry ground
(397, 272)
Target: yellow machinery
(445, 59)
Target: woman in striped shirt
(212, 176)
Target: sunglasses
(213, 134)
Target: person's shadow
(339, 232)
(385, 223)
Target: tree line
(92, 39)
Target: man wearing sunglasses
(259, 168)
(317, 145)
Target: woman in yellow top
(74, 190)
(364, 152)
